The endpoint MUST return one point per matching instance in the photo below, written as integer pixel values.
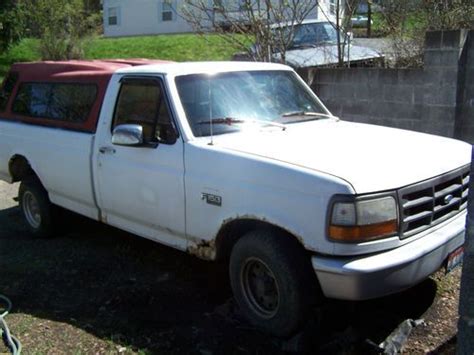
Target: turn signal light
(363, 233)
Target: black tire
(39, 219)
(264, 262)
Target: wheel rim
(260, 287)
(31, 209)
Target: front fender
(292, 198)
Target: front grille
(432, 201)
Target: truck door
(141, 188)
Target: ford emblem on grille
(447, 199)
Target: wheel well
(20, 168)
(231, 232)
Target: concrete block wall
(379, 96)
(443, 51)
(425, 99)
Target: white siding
(324, 11)
(142, 17)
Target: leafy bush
(11, 23)
(63, 27)
(406, 23)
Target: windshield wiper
(231, 120)
(307, 113)
(222, 120)
(269, 123)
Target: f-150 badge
(212, 199)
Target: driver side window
(141, 101)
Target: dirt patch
(438, 336)
(95, 289)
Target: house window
(332, 7)
(167, 10)
(113, 16)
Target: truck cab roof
(74, 77)
(50, 70)
(185, 68)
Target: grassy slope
(183, 47)
(25, 51)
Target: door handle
(107, 150)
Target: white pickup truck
(238, 162)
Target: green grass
(25, 51)
(182, 47)
(415, 22)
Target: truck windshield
(314, 34)
(233, 100)
(308, 35)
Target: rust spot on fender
(263, 219)
(244, 216)
(102, 217)
(205, 249)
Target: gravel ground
(95, 289)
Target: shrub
(11, 23)
(406, 22)
(63, 26)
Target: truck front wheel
(272, 281)
(36, 207)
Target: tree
(406, 22)
(238, 23)
(93, 6)
(63, 26)
(448, 14)
(11, 23)
(343, 12)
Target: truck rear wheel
(36, 207)
(272, 281)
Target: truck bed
(61, 161)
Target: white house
(147, 17)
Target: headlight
(363, 219)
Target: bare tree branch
(236, 21)
(345, 9)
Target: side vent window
(62, 102)
(7, 90)
(141, 101)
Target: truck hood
(371, 158)
(327, 55)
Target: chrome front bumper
(376, 275)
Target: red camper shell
(66, 94)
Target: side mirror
(128, 134)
